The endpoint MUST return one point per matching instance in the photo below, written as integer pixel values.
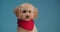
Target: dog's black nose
(27, 16)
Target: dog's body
(19, 29)
(26, 12)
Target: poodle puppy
(26, 13)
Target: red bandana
(28, 25)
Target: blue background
(48, 19)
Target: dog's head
(26, 11)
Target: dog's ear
(35, 13)
(17, 12)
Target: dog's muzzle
(27, 17)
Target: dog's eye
(24, 11)
(29, 11)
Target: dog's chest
(28, 25)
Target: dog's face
(25, 11)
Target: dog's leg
(35, 29)
(19, 29)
